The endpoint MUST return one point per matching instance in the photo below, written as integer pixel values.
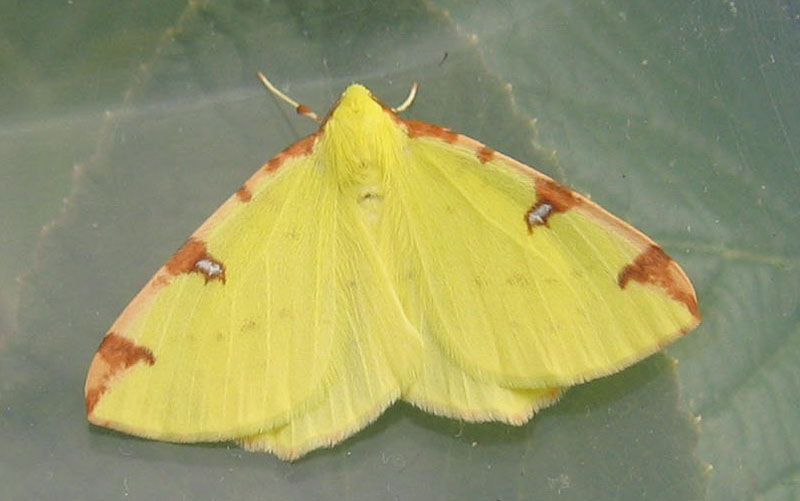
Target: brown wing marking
(654, 266)
(301, 147)
(416, 128)
(115, 355)
(193, 257)
(551, 197)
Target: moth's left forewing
(583, 293)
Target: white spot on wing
(540, 214)
(210, 268)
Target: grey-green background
(124, 124)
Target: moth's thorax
(360, 139)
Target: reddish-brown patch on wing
(121, 353)
(485, 154)
(192, 257)
(93, 396)
(302, 109)
(416, 129)
(654, 266)
(244, 194)
(559, 196)
(551, 197)
(301, 147)
(184, 260)
(115, 355)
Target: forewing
(521, 281)
(238, 330)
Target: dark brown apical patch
(654, 266)
(118, 354)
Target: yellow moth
(381, 259)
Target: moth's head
(360, 135)
(358, 104)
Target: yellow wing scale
(381, 259)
